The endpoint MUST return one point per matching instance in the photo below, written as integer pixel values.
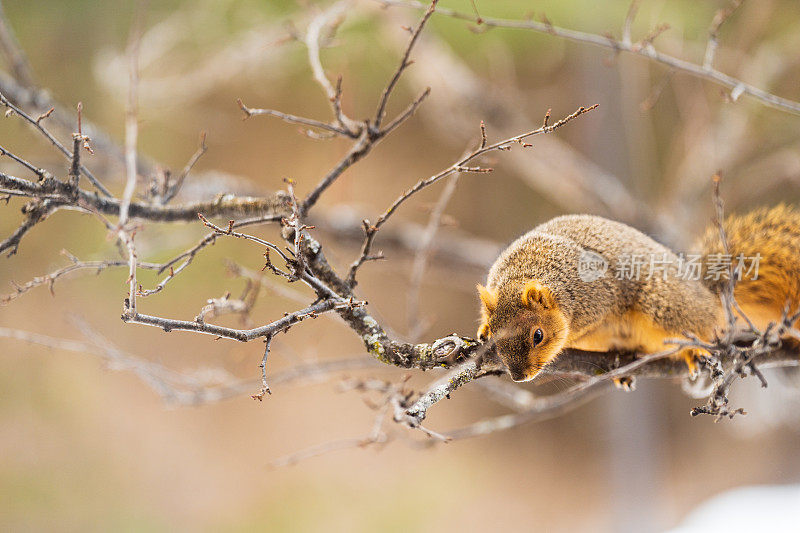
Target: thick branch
(595, 369)
(227, 205)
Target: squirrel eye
(538, 335)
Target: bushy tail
(768, 240)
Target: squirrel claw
(691, 356)
(625, 383)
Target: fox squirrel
(543, 296)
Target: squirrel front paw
(483, 332)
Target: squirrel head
(526, 324)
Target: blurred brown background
(86, 447)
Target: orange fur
(489, 301)
(488, 298)
(634, 332)
(772, 234)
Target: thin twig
(77, 265)
(603, 41)
(14, 53)
(312, 40)
(180, 388)
(629, 18)
(293, 119)
(175, 188)
(357, 151)
(37, 124)
(264, 386)
(131, 130)
(40, 172)
(720, 18)
(458, 167)
(242, 335)
(404, 64)
(423, 254)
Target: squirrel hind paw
(625, 383)
(691, 362)
(692, 357)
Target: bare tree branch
(457, 167)
(738, 87)
(14, 54)
(404, 63)
(301, 258)
(720, 17)
(423, 254)
(37, 124)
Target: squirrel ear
(489, 299)
(535, 292)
